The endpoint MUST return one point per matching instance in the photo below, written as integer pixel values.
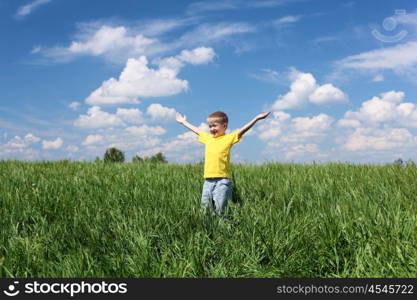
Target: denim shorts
(216, 192)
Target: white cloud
(28, 8)
(162, 113)
(181, 141)
(30, 138)
(197, 56)
(280, 131)
(199, 7)
(15, 153)
(267, 75)
(368, 139)
(312, 126)
(159, 27)
(375, 110)
(145, 130)
(118, 43)
(72, 149)
(345, 123)
(170, 63)
(387, 108)
(379, 127)
(327, 94)
(96, 118)
(26, 141)
(74, 105)
(302, 86)
(36, 49)
(300, 150)
(132, 115)
(269, 3)
(295, 138)
(269, 133)
(20, 147)
(56, 144)
(137, 80)
(304, 89)
(378, 78)
(211, 33)
(287, 20)
(326, 39)
(92, 139)
(208, 6)
(399, 58)
(135, 142)
(274, 125)
(115, 43)
(109, 39)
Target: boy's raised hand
(183, 120)
(251, 123)
(262, 116)
(180, 118)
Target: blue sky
(78, 77)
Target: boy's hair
(219, 116)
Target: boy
(217, 188)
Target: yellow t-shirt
(217, 153)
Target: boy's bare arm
(251, 123)
(182, 120)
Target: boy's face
(216, 128)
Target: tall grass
(73, 219)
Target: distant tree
(97, 160)
(158, 158)
(137, 159)
(154, 159)
(398, 162)
(114, 155)
(411, 163)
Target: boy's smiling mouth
(216, 133)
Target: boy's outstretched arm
(182, 120)
(251, 123)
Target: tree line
(116, 155)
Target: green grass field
(74, 219)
